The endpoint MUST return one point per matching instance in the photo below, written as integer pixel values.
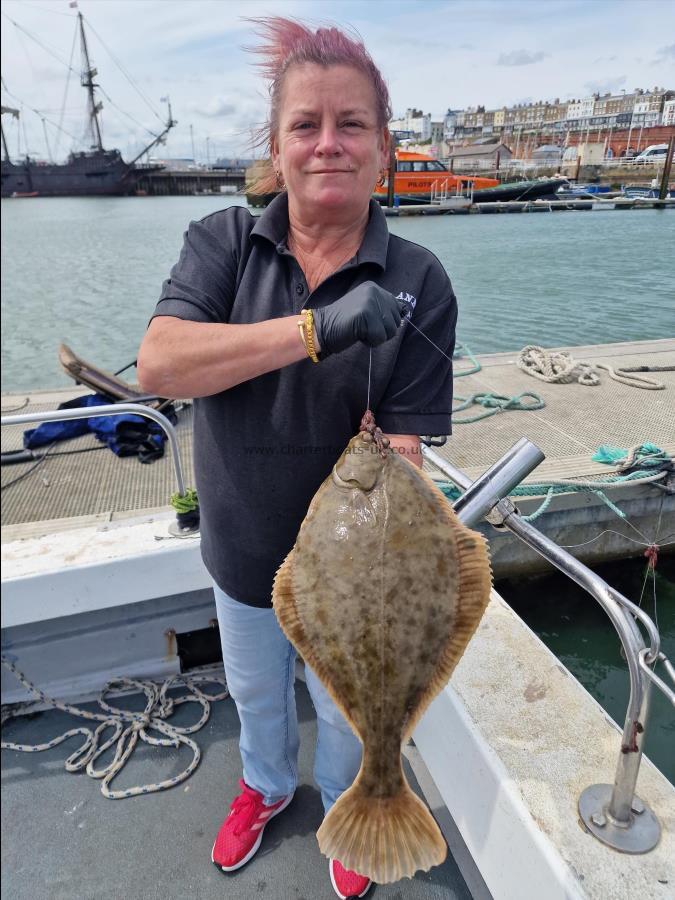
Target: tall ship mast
(88, 173)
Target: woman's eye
(352, 124)
(305, 125)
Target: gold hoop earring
(280, 181)
(382, 180)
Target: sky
(434, 55)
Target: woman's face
(329, 148)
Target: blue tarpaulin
(124, 434)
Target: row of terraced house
(640, 109)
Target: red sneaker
(346, 883)
(241, 832)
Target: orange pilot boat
(420, 177)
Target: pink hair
(288, 42)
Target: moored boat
(420, 178)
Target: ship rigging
(92, 172)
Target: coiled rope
(560, 366)
(128, 727)
(187, 509)
(495, 403)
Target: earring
(280, 181)
(382, 180)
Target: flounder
(380, 595)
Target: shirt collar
(273, 225)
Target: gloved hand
(367, 313)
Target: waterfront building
(580, 109)
(414, 121)
(479, 156)
(620, 122)
(648, 108)
(437, 132)
(548, 154)
(450, 122)
(174, 164)
(614, 104)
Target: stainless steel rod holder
(497, 482)
(612, 813)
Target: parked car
(653, 154)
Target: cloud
(216, 107)
(521, 58)
(665, 54)
(607, 86)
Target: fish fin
(475, 584)
(283, 601)
(286, 610)
(384, 839)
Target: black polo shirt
(262, 448)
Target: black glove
(367, 313)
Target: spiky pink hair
(288, 42)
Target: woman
(270, 325)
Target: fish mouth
(341, 483)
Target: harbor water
(579, 632)
(88, 272)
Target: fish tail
(384, 839)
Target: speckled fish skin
(381, 595)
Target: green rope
(452, 492)
(495, 403)
(645, 455)
(185, 503)
(463, 350)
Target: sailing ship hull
(84, 175)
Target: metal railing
(442, 193)
(530, 165)
(116, 409)
(612, 813)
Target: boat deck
(73, 490)
(63, 840)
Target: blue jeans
(260, 670)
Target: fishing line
(370, 366)
(410, 322)
(610, 531)
(442, 352)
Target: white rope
(128, 727)
(560, 367)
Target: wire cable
(65, 93)
(124, 72)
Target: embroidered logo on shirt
(409, 301)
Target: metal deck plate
(64, 841)
(574, 423)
